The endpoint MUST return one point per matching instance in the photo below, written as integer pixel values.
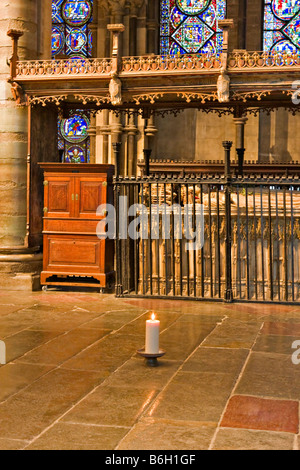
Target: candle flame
(153, 317)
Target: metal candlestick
(151, 359)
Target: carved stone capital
(135, 6)
(116, 7)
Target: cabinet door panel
(90, 194)
(59, 197)
(75, 254)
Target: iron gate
(250, 235)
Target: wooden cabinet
(73, 253)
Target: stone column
(150, 131)
(135, 6)
(240, 132)
(130, 157)
(92, 135)
(18, 264)
(240, 123)
(152, 26)
(44, 33)
(103, 131)
(117, 10)
(103, 35)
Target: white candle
(152, 336)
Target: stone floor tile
(66, 436)
(23, 342)
(107, 355)
(270, 375)
(216, 360)
(277, 387)
(281, 329)
(193, 317)
(180, 340)
(152, 434)
(113, 406)
(10, 328)
(15, 377)
(112, 320)
(234, 334)
(64, 321)
(263, 362)
(136, 374)
(244, 439)
(194, 397)
(275, 344)
(6, 309)
(11, 444)
(64, 347)
(28, 413)
(262, 414)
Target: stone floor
(73, 379)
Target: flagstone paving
(73, 378)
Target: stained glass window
(73, 138)
(191, 26)
(282, 26)
(71, 37)
(71, 34)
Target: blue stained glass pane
(191, 26)
(58, 39)
(77, 13)
(75, 129)
(75, 154)
(71, 34)
(281, 26)
(193, 7)
(76, 41)
(56, 11)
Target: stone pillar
(105, 133)
(152, 26)
(116, 127)
(92, 135)
(240, 123)
(135, 6)
(254, 25)
(44, 33)
(150, 131)
(117, 14)
(103, 35)
(130, 157)
(19, 265)
(240, 132)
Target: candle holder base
(151, 359)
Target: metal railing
(248, 243)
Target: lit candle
(152, 335)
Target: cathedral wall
(195, 135)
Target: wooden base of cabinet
(99, 281)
